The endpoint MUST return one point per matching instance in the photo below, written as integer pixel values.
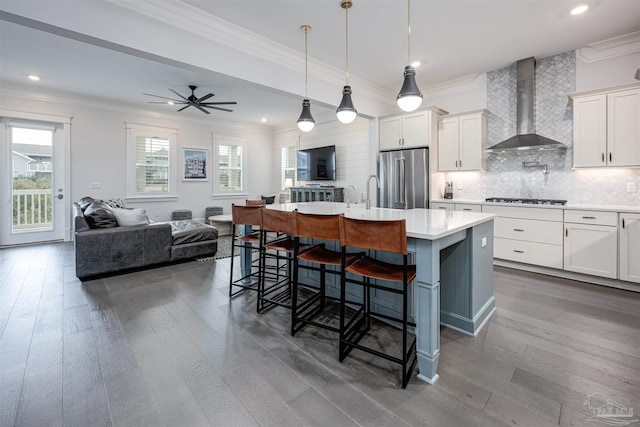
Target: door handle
(403, 200)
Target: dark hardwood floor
(166, 347)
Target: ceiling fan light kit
(346, 112)
(410, 97)
(305, 121)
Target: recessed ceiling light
(416, 64)
(34, 77)
(263, 120)
(170, 102)
(579, 9)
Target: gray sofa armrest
(106, 250)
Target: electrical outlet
(156, 214)
(459, 186)
(484, 242)
(95, 186)
(631, 187)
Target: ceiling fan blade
(163, 97)
(179, 95)
(207, 96)
(186, 106)
(218, 108)
(217, 103)
(201, 109)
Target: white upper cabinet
(409, 130)
(461, 141)
(606, 129)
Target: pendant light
(409, 97)
(306, 122)
(346, 112)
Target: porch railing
(32, 209)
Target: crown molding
(611, 48)
(184, 17)
(456, 86)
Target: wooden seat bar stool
(380, 236)
(317, 258)
(245, 217)
(275, 288)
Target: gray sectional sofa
(107, 248)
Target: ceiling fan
(192, 101)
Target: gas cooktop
(526, 201)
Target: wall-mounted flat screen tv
(316, 164)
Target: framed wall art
(195, 164)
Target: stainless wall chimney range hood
(526, 138)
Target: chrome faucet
(350, 187)
(368, 202)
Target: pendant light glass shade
(409, 97)
(346, 112)
(306, 122)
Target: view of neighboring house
(31, 159)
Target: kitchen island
(453, 252)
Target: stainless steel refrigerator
(404, 179)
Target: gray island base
(454, 257)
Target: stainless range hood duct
(526, 138)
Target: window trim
(219, 140)
(171, 134)
(284, 169)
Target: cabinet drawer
(443, 206)
(545, 214)
(529, 230)
(591, 217)
(528, 252)
(468, 207)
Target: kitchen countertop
(427, 224)
(580, 206)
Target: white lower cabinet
(527, 235)
(630, 247)
(464, 207)
(591, 243)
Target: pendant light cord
(306, 79)
(347, 43)
(409, 30)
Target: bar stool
(316, 258)
(249, 202)
(275, 289)
(245, 216)
(382, 236)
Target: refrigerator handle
(403, 201)
(396, 182)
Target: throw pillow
(115, 203)
(100, 215)
(137, 216)
(85, 202)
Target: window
(231, 159)
(287, 166)
(151, 162)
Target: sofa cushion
(137, 216)
(115, 203)
(100, 215)
(188, 231)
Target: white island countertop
(430, 224)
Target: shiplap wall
(352, 152)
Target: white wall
(98, 150)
